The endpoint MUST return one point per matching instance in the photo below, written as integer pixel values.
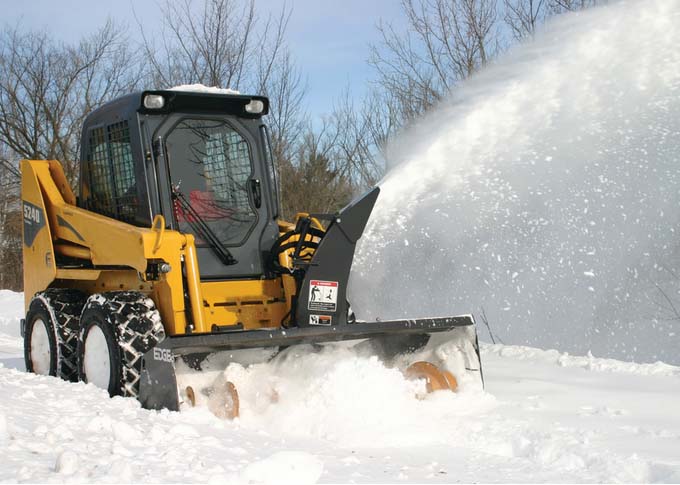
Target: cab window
(210, 166)
(111, 173)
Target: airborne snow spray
(546, 193)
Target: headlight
(255, 107)
(154, 101)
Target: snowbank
(343, 418)
(11, 311)
(587, 362)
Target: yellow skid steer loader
(174, 248)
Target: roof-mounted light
(154, 101)
(255, 107)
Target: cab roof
(179, 101)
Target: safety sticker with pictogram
(323, 295)
(320, 319)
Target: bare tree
(224, 43)
(523, 16)
(560, 6)
(11, 273)
(446, 41)
(336, 159)
(46, 89)
(211, 48)
(312, 182)
(286, 90)
(359, 135)
(10, 230)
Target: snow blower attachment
(173, 250)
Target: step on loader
(174, 249)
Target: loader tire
(116, 329)
(54, 316)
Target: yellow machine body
(119, 254)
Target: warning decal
(323, 295)
(320, 319)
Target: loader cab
(201, 160)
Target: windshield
(210, 165)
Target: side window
(113, 189)
(120, 150)
(101, 182)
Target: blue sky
(329, 38)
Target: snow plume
(545, 192)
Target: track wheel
(51, 335)
(436, 380)
(116, 330)
(222, 399)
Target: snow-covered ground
(544, 417)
